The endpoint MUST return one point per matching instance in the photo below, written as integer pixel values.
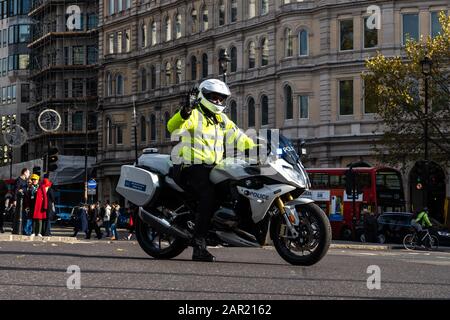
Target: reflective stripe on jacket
(202, 140)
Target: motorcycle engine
(225, 218)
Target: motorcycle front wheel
(314, 237)
(157, 245)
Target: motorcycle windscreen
(137, 185)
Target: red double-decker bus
(382, 191)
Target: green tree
(394, 86)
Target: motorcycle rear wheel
(317, 228)
(152, 241)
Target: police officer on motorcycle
(203, 128)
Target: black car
(393, 226)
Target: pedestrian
(114, 218)
(93, 222)
(370, 226)
(51, 211)
(30, 202)
(107, 218)
(21, 186)
(131, 225)
(80, 219)
(41, 206)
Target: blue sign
(92, 184)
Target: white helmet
(212, 94)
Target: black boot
(200, 253)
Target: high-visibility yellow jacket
(423, 219)
(202, 140)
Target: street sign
(92, 192)
(92, 184)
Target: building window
(264, 110)
(24, 61)
(119, 131)
(205, 65)
(152, 77)
(205, 19)
(346, 34)
(119, 85)
(264, 52)
(92, 21)
(111, 44)
(436, 27)
(153, 33)
(410, 27)
(152, 127)
(109, 85)
(233, 57)
(234, 11)
(24, 33)
(77, 87)
(119, 42)
(251, 55)
(194, 21)
(251, 113)
(119, 5)
(144, 35)
(251, 9)
(303, 107)
(370, 36)
(288, 103)
(303, 49)
(92, 120)
(370, 102)
(77, 121)
(193, 68)
(108, 132)
(168, 29)
(233, 111)
(346, 97)
(143, 129)
(166, 121)
(143, 80)
(66, 88)
(178, 72)
(221, 53)
(91, 55)
(127, 4)
(264, 7)
(178, 26)
(91, 87)
(127, 40)
(77, 55)
(111, 7)
(13, 93)
(168, 73)
(24, 92)
(288, 43)
(221, 13)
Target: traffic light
(52, 159)
(352, 180)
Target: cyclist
(421, 221)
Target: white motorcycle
(250, 199)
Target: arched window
(233, 57)
(153, 33)
(251, 55)
(193, 68)
(303, 43)
(166, 121)
(251, 112)
(205, 65)
(288, 43)
(194, 21)
(221, 13)
(168, 73)
(152, 77)
(109, 85)
(168, 28)
(264, 52)
(264, 110)
(264, 7)
(144, 35)
(178, 26)
(251, 8)
(119, 85)
(233, 111)
(109, 131)
(288, 103)
(143, 75)
(152, 127)
(221, 53)
(234, 11)
(143, 129)
(205, 19)
(178, 71)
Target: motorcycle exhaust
(162, 225)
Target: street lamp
(135, 130)
(426, 65)
(224, 58)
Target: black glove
(189, 103)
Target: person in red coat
(40, 208)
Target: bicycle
(428, 241)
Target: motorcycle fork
(288, 215)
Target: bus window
(364, 180)
(389, 180)
(319, 180)
(336, 182)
